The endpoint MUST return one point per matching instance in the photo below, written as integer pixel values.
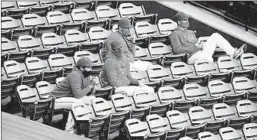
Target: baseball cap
(84, 61)
(125, 23)
(180, 16)
(115, 44)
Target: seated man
(185, 41)
(76, 85)
(116, 69)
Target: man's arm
(177, 46)
(111, 75)
(76, 84)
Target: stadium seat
(29, 20)
(75, 36)
(51, 75)
(184, 105)
(218, 88)
(30, 79)
(203, 66)
(104, 23)
(73, 26)
(35, 65)
(79, 15)
(250, 132)
(170, 94)
(40, 30)
(157, 124)
(57, 17)
(136, 129)
(40, 10)
(166, 26)
(68, 50)
(199, 115)
(98, 34)
(112, 4)
(194, 91)
(84, 4)
(44, 89)
(198, 79)
(165, 39)
(13, 68)
(207, 136)
(42, 53)
(157, 73)
(227, 64)
(181, 69)
(243, 84)
(171, 58)
(144, 99)
(102, 107)
(22, 4)
(151, 18)
(8, 86)
(43, 3)
(52, 40)
(27, 42)
(8, 4)
(63, 7)
(129, 9)
(144, 28)
(250, 74)
(228, 133)
(6, 34)
(192, 131)
(246, 108)
(178, 119)
(160, 109)
(141, 52)
(105, 11)
(15, 33)
(248, 61)
(60, 61)
(224, 76)
(17, 13)
(159, 49)
(175, 133)
(121, 102)
(10, 23)
(186, 138)
(115, 124)
(154, 136)
(8, 46)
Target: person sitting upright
(116, 69)
(185, 41)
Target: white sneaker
(240, 51)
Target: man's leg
(64, 103)
(217, 40)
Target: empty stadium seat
(40, 10)
(181, 69)
(59, 61)
(207, 136)
(13, 68)
(72, 26)
(81, 14)
(223, 111)
(178, 119)
(243, 84)
(157, 73)
(84, 4)
(228, 133)
(8, 86)
(64, 7)
(105, 11)
(104, 23)
(57, 17)
(52, 40)
(144, 98)
(29, 20)
(44, 89)
(170, 94)
(10, 23)
(194, 91)
(203, 66)
(102, 107)
(26, 94)
(51, 75)
(246, 108)
(144, 28)
(41, 29)
(159, 49)
(227, 64)
(27, 42)
(166, 26)
(98, 33)
(136, 129)
(171, 58)
(121, 102)
(199, 115)
(248, 61)
(35, 64)
(15, 33)
(157, 124)
(141, 52)
(249, 131)
(129, 9)
(8, 4)
(8, 46)
(76, 37)
(22, 4)
(17, 13)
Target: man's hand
(132, 38)
(199, 45)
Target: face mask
(86, 73)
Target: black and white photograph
(128, 70)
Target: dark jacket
(128, 47)
(183, 41)
(74, 85)
(116, 72)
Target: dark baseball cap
(84, 61)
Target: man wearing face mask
(76, 85)
(116, 70)
(185, 41)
